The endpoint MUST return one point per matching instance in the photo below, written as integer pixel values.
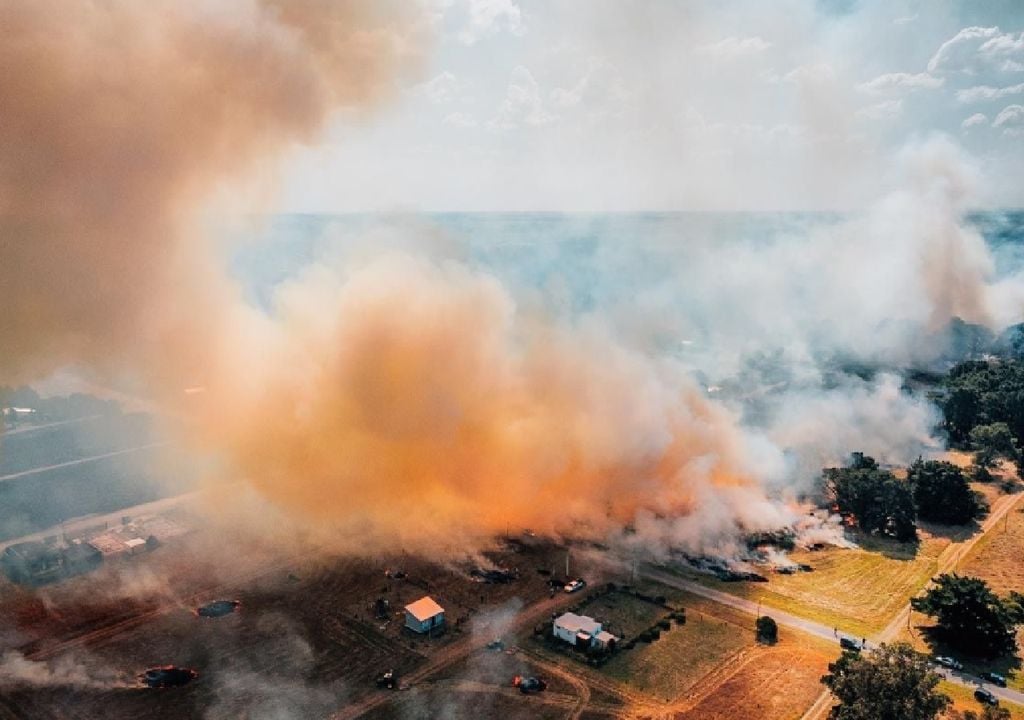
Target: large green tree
(876, 498)
(893, 682)
(983, 393)
(942, 493)
(970, 617)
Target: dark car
(387, 679)
(218, 608)
(529, 684)
(994, 678)
(848, 644)
(498, 644)
(167, 676)
(984, 696)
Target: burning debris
(167, 676)
(528, 685)
(218, 608)
(497, 576)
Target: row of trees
(933, 490)
(983, 409)
(892, 683)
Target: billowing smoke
(404, 394)
(65, 671)
(120, 123)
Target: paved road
(809, 626)
(80, 461)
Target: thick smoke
(120, 122)
(403, 395)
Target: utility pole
(567, 564)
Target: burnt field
(308, 636)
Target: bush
(665, 624)
(767, 630)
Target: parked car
(848, 644)
(529, 684)
(388, 680)
(574, 585)
(948, 662)
(984, 696)
(994, 678)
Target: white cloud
(460, 119)
(975, 119)
(1011, 119)
(440, 89)
(487, 17)
(815, 73)
(906, 20)
(901, 81)
(987, 92)
(523, 104)
(882, 110)
(979, 49)
(734, 47)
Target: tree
(983, 393)
(879, 501)
(892, 683)
(970, 617)
(991, 442)
(767, 630)
(942, 493)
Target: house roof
(424, 608)
(578, 623)
(605, 637)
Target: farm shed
(424, 615)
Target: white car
(575, 585)
(949, 662)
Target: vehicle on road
(497, 644)
(575, 585)
(528, 685)
(948, 662)
(848, 644)
(994, 678)
(388, 680)
(985, 697)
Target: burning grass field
(857, 590)
(305, 634)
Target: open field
(857, 590)
(305, 631)
(996, 558)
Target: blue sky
(602, 105)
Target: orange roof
(424, 608)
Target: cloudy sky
(606, 105)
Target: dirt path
(946, 562)
(457, 651)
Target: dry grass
(857, 590)
(996, 558)
(777, 683)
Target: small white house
(424, 615)
(581, 631)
